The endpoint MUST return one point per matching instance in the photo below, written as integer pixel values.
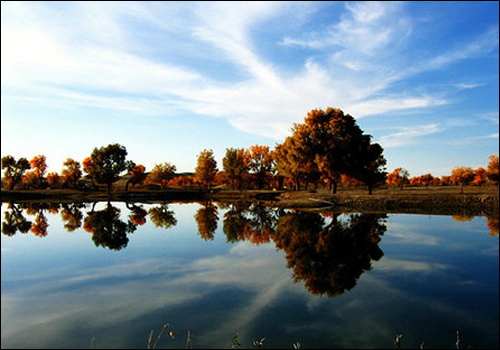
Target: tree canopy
(106, 164)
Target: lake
(104, 275)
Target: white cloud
(408, 135)
(88, 54)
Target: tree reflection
(250, 222)
(107, 229)
(72, 216)
(14, 221)
(492, 223)
(161, 216)
(137, 214)
(206, 219)
(329, 257)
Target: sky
(169, 79)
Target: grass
(260, 344)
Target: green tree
(206, 168)
(14, 169)
(107, 164)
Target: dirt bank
(431, 202)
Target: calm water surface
(114, 272)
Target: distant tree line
(327, 149)
(460, 176)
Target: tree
(260, 163)
(398, 178)
(72, 173)
(39, 168)
(106, 164)
(294, 157)
(54, 180)
(370, 165)
(480, 176)
(14, 170)
(463, 176)
(206, 168)
(235, 165)
(162, 174)
(492, 170)
(336, 145)
(137, 175)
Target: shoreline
(432, 203)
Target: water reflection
(328, 252)
(107, 229)
(206, 219)
(330, 257)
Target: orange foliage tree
(137, 175)
(398, 178)
(39, 167)
(54, 180)
(260, 163)
(206, 168)
(72, 173)
(492, 171)
(336, 145)
(463, 176)
(480, 176)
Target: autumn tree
(235, 165)
(492, 170)
(260, 163)
(337, 145)
(463, 176)
(480, 176)
(137, 176)
(294, 157)
(54, 180)
(14, 169)
(71, 173)
(162, 174)
(39, 168)
(398, 178)
(206, 168)
(106, 164)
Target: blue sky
(168, 79)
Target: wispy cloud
(91, 54)
(408, 135)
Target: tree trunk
(334, 186)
